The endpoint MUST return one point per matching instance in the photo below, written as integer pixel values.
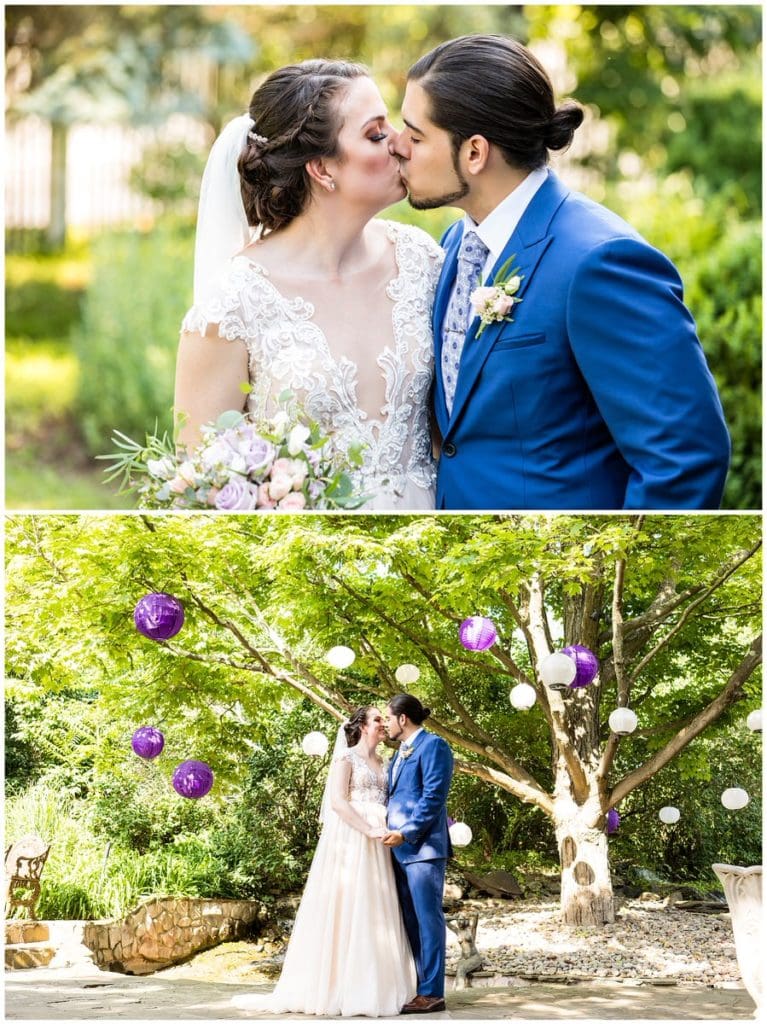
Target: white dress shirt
(403, 745)
(499, 225)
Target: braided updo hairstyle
(353, 728)
(296, 120)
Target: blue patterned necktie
(471, 259)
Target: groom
(585, 385)
(419, 780)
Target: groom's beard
(433, 203)
(448, 199)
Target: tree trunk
(587, 891)
(57, 227)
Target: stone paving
(89, 994)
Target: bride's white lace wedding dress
(348, 953)
(288, 350)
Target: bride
(348, 953)
(299, 288)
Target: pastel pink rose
(480, 297)
(296, 469)
(292, 502)
(264, 501)
(178, 485)
(502, 304)
(279, 485)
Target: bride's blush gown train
(348, 953)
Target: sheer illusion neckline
(303, 309)
(378, 776)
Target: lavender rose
(237, 496)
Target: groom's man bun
(407, 704)
(494, 86)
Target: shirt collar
(496, 229)
(411, 739)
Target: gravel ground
(649, 940)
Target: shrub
(126, 343)
(269, 840)
(719, 258)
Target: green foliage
(21, 761)
(636, 64)
(720, 141)
(706, 833)
(268, 841)
(127, 341)
(136, 808)
(719, 257)
(266, 597)
(170, 173)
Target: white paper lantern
(669, 815)
(522, 696)
(315, 744)
(558, 671)
(460, 834)
(754, 720)
(340, 657)
(407, 674)
(735, 799)
(623, 721)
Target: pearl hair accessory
(260, 140)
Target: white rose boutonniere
(493, 303)
(405, 753)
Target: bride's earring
(332, 186)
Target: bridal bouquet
(284, 464)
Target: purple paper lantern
(613, 821)
(193, 779)
(147, 742)
(586, 665)
(477, 633)
(159, 616)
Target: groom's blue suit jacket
(597, 395)
(418, 800)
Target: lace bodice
(287, 350)
(365, 785)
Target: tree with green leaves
(670, 605)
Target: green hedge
(126, 342)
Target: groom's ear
(319, 173)
(476, 153)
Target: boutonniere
(493, 303)
(406, 752)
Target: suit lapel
(414, 746)
(441, 297)
(527, 244)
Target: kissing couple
(541, 358)
(369, 936)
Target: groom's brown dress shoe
(424, 1004)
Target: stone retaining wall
(162, 931)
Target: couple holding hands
(541, 358)
(369, 936)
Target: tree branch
(725, 571)
(694, 728)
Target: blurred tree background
(672, 142)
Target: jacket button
(449, 449)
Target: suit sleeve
(437, 772)
(636, 345)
